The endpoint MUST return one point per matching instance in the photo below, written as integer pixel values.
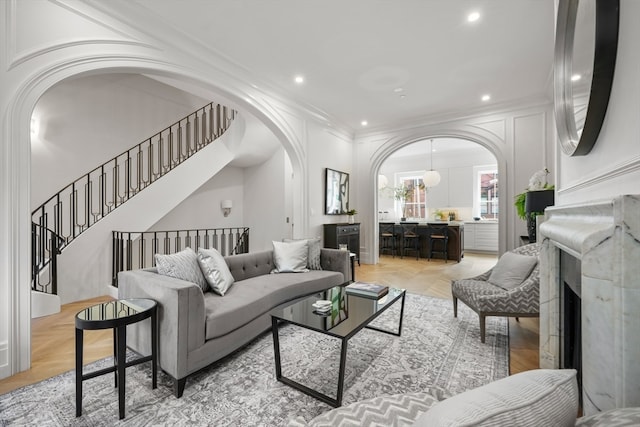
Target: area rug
(435, 349)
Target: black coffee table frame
(93, 321)
(343, 348)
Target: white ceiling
(354, 53)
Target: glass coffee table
(349, 314)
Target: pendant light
(431, 178)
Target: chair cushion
(511, 270)
(484, 297)
(541, 397)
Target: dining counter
(455, 247)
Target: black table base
(343, 360)
(119, 326)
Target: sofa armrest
(181, 317)
(336, 260)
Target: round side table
(116, 315)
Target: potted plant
(351, 213)
(402, 194)
(532, 202)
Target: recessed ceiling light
(398, 90)
(486, 97)
(576, 77)
(403, 96)
(364, 123)
(299, 79)
(473, 17)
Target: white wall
(202, 208)
(328, 149)
(613, 166)
(85, 121)
(266, 208)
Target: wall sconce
(226, 206)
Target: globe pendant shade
(431, 178)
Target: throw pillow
(511, 270)
(313, 255)
(215, 270)
(181, 265)
(290, 257)
(541, 397)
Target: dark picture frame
(336, 195)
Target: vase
(352, 219)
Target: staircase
(91, 198)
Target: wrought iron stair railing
(87, 200)
(45, 248)
(133, 250)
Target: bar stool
(438, 237)
(410, 241)
(387, 237)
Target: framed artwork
(336, 200)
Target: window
(486, 192)
(415, 204)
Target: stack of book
(367, 290)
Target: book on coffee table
(368, 290)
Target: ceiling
(356, 55)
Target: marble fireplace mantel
(605, 236)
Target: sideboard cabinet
(343, 233)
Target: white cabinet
(481, 236)
(469, 236)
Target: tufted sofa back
(246, 266)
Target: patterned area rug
(435, 349)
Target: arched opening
(18, 132)
(474, 162)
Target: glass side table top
(349, 313)
(109, 313)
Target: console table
(345, 234)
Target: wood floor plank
(53, 337)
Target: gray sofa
(197, 328)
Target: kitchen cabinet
(481, 236)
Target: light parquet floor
(53, 337)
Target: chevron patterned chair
(511, 288)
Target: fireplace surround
(605, 237)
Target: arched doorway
(33, 81)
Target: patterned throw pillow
(290, 257)
(182, 265)
(313, 255)
(541, 397)
(215, 270)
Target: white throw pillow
(215, 270)
(181, 265)
(541, 397)
(290, 257)
(511, 270)
(313, 255)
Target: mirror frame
(604, 61)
